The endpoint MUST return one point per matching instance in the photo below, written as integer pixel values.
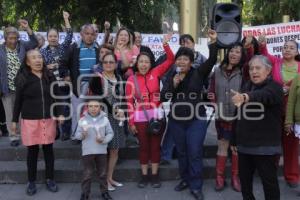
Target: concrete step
(67, 150)
(71, 171)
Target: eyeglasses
(109, 62)
(94, 106)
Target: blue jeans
(167, 146)
(189, 138)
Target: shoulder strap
(140, 96)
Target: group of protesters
(98, 94)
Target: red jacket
(149, 86)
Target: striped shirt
(87, 59)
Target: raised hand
(167, 38)
(23, 24)
(212, 34)
(66, 15)
(248, 40)
(106, 25)
(262, 39)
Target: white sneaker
(110, 188)
(117, 184)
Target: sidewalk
(71, 191)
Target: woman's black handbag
(155, 126)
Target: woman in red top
(148, 83)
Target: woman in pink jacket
(147, 80)
(284, 70)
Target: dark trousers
(2, 113)
(32, 157)
(167, 146)
(189, 138)
(90, 162)
(267, 170)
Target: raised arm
(68, 39)
(264, 50)
(32, 43)
(106, 32)
(161, 69)
(207, 66)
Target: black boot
(31, 188)
(181, 186)
(143, 182)
(84, 196)
(155, 181)
(106, 196)
(198, 195)
(3, 129)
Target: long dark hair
(297, 57)
(225, 62)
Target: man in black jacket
(79, 61)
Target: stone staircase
(68, 166)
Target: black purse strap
(140, 96)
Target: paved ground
(71, 191)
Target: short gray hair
(263, 59)
(10, 30)
(86, 26)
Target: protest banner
(276, 35)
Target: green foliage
(258, 12)
(142, 15)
